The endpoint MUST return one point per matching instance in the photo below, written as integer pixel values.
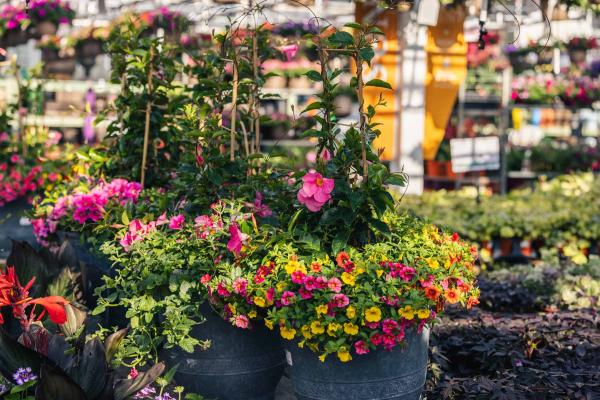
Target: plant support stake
(147, 122)
(233, 111)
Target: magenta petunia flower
(177, 222)
(289, 51)
(236, 241)
(316, 190)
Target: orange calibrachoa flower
(13, 295)
(432, 293)
(452, 296)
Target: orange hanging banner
(385, 66)
(446, 71)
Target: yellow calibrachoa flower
(350, 312)
(424, 313)
(259, 301)
(350, 328)
(252, 314)
(344, 355)
(322, 357)
(294, 265)
(433, 264)
(306, 331)
(332, 328)
(407, 312)
(348, 279)
(447, 264)
(379, 272)
(280, 286)
(359, 270)
(373, 314)
(322, 309)
(287, 333)
(269, 323)
(316, 327)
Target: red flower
(13, 295)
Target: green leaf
(314, 75)
(171, 373)
(380, 226)
(14, 355)
(396, 179)
(113, 342)
(340, 241)
(353, 25)
(341, 37)
(125, 218)
(375, 30)
(379, 83)
(313, 106)
(367, 54)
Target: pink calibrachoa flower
(89, 207)
(241, 321)
(4, 137)
(162, 220)
(305, 294)
(205, 279)
(177, 222)
(316, 190)
(361, 347)
(236, 241)
(222, 290)
(287, 298)
(15, 158)
(298, 277)
(335, 285)
(389, 326)
(340, 300)
(240, 286)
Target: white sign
(475, 154)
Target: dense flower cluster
(55, 11)
(362, 300)
(86, 206)
(18, 180)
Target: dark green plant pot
(240, 364)
(94, 266)
(392, 375)
(11, 228)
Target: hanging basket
(577, 55)
(43, 28)
(89, 48)
(49, 54)
(14, 38)
(226, 1)
(61, 68)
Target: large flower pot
(49, 54)
(93, 265)
(45, 28)
(89, 48)
(11, 226)
(63, 67)
(14, 38)
(435, 168)
(392, 375)
(577, 56)
(239, 365)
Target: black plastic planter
(240, 364)
(11, 228)
(391, 375)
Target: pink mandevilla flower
(236, 241)
(316, 190)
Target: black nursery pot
(391, 375)
(240, 364)
(93, 267)
(11, 228)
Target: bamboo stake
(20, 131)
(255, 99)
(362, 121)
(147, 122)
(233, 111)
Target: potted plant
(346, 276)
(50, 46)
(46, 15)
(179, 257)
(13, 22)
(578, 47)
